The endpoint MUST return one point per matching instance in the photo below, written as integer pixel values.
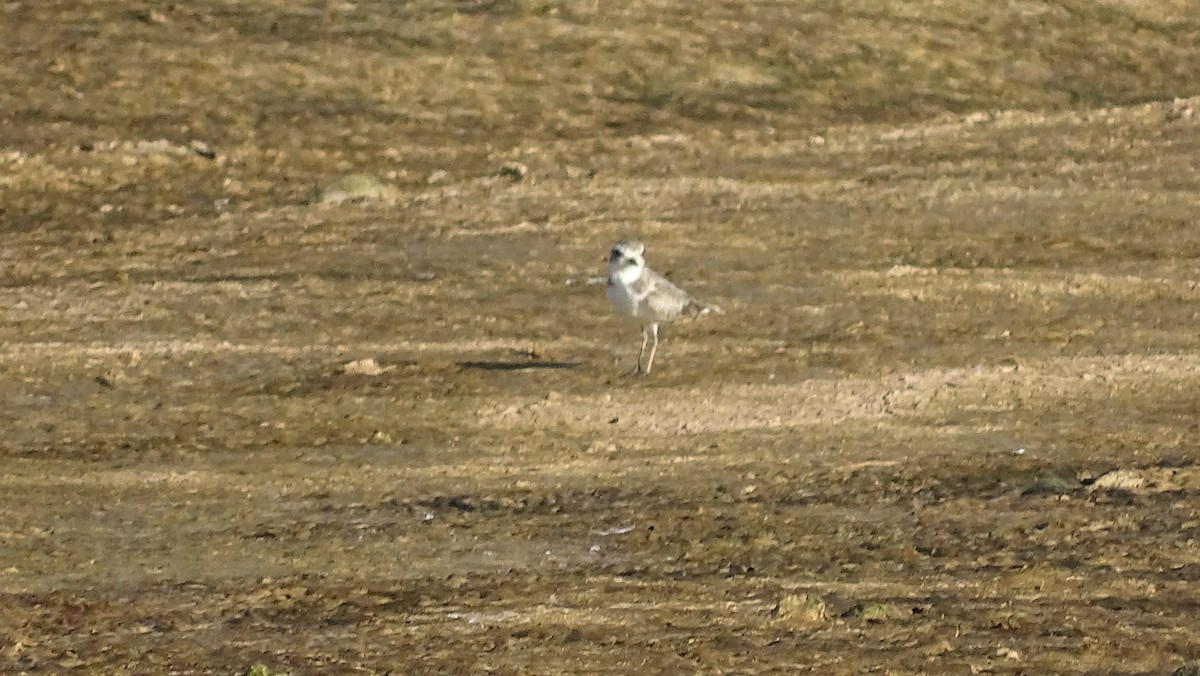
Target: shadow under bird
(642, 294)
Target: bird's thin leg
(653, 348)
(645, 339)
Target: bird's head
(626, 262)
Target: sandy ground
(947, 422)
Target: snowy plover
(640, 293)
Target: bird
(642, 294)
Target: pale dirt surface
(947, 423)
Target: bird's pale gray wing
(666, 300)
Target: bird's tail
(698, 309)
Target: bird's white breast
(622, 293)
(624, 301)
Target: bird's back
(663, 301)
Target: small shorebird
(642, 294)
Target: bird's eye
(630, 261)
